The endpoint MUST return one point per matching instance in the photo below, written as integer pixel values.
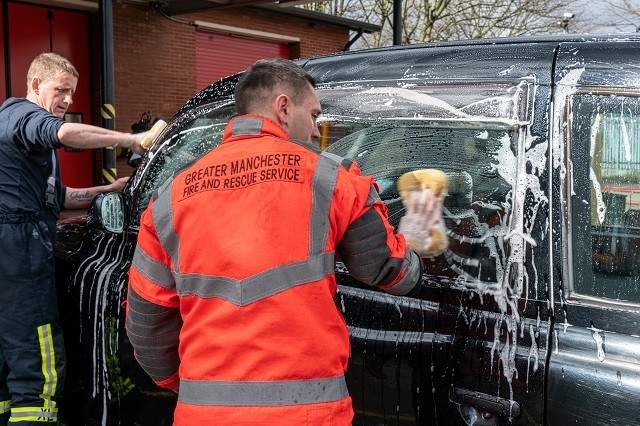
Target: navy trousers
(32, 359)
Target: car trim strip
(262, 394)
(260, 286)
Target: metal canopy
(178, 7)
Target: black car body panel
(531, 316)
(595, 355)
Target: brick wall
(154, 57)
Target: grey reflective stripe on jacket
(162, 214)
(259, 286)
(262, 394)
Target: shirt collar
(251, 125)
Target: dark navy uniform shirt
(28, 144)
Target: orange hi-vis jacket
(231, 288)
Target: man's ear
(282, 106)
(35, 85)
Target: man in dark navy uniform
(32, 359)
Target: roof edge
(548, 38)
(556, 38)
(324, 18)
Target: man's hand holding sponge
(423, 193)
(152, 134)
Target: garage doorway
(220, 55)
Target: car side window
(391, 131)
(479, 196)
(605, 143)
(189, 138)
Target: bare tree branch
(435, 20)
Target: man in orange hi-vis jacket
(230, 301)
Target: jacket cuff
(411, 281)
(172, 383)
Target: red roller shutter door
(220, 55)
(70, 38)
(26, 42)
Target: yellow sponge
(417, 180)
(153, 134)
(432, 239)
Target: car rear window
(605, 143)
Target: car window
(470, 133)
(187, 138)
(605, 142)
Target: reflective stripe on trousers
(48, 412)
(34, 414)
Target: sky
(601, 16)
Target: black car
(531, 316)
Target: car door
(470, 349)
(594, 366)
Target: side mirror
(107, 211)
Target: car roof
(547, 38)
(511, 58)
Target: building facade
(160, 58)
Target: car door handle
(485, 402)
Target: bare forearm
(77, 135)
(76, 199)
(79, 198)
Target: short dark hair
(260, 81)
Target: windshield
(187, 138)
(471, 132)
